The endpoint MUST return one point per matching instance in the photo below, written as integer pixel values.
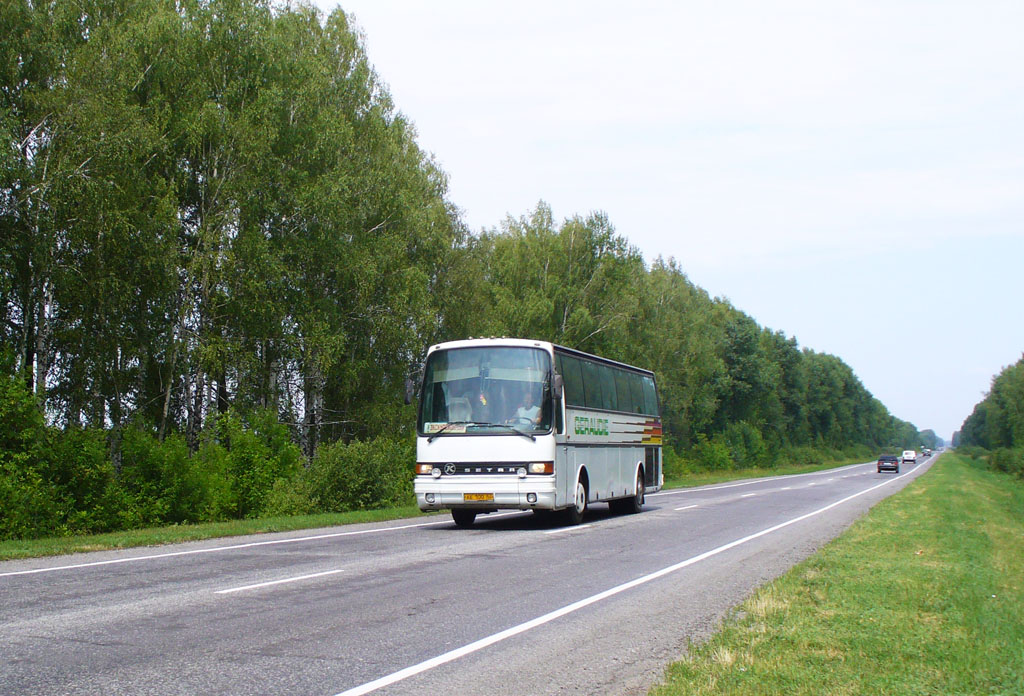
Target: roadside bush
(291, 497)
(746, 445)
(798, 455)
(1008, 461)
(711, 455)
(157, 480)
(674, 465)
(362, 475)
(972, 451)
(83, 480)
(212, 467)
(28, 501)
(257, 457)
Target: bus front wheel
(463, 518)
(574, 515)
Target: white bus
(518, 424)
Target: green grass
(924, 595)
(193, 532)
(53, 546)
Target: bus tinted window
(608, 400)
(622, 391)
(592, 384)
(636, 390)
(650, 396)
(572, 376)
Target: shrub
(798, 456)
(28, 500)
(257, 457)
(82, 477)
(1009, 461)
(362, 475)
(746, 445)
(712, 455)
(674, 465)
(157, 479)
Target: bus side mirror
(410, 390)
(557, 386)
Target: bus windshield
(486, 390)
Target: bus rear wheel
(632, 504)
(463, 518)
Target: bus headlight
(521, 471)
(435, 472)
(424, 469)
(430, 498)
(542, 467)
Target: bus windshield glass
(486, 391)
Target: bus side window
(650, 397)
(623, 392)
(608, 400)
(592, 384)
(572, 379)
(636, 390)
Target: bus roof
(530, 343)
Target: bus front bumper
(485, 492)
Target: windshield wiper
(517, 431)
(475, 424)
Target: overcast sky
(850, 173)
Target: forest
(222, 253)
(995, 429)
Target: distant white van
(909, 457)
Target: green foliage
(747, 447)
(51, 481)
(362, 475)
(1008, 461)
(258, 457)
(998, 420)
(712, 455)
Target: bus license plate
(467, 497)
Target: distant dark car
(889, 462)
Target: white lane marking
(476, 646)
(688, 507)
(279, 582)
(701, 489)
(568, 529)
(748, 495)
(233, 547)
(787, 488)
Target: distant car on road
(909, 457)
(926, 452)
(888, 462)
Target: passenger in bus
(459, 408)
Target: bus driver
(528, 410)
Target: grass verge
(30, 548)
(924, 595)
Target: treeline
(996, 426)
(222, 253)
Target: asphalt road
(514, 605)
